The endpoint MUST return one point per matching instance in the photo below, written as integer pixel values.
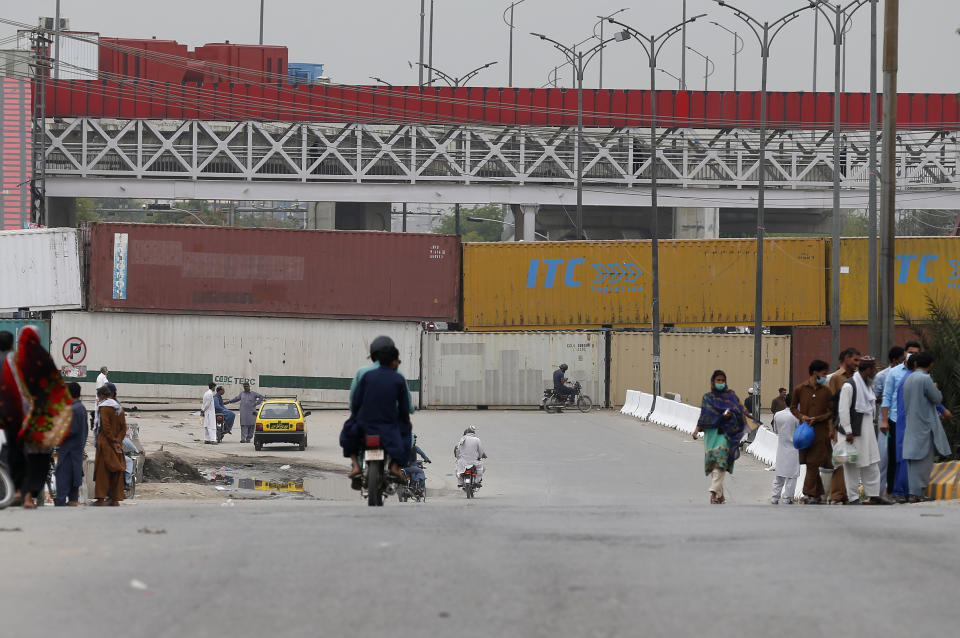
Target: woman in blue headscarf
(722, 421)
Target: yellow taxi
(280, 421)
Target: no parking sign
(74, 351)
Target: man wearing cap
(249, 400)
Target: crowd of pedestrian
(875, 433)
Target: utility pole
(873, 329)
(430, 54)
(456, 219)
(888, 199)
(56, 43)
(404, 227)
(683, 49)
(261, 22)
(423, 16)
(38, 191)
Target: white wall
(175, 356)
(507, 368)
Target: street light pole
(651, 45)
(579, 60)
(430, 54)
(738, 45)
(510, 28)
(765, 32)
(423, 15)
(261, 22)
(842, 16)
(708, 71)
(888, 183)
(602, 22)
(683, 49)
(675, 77)
(458, 81)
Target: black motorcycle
(376, 481)
(552, 402)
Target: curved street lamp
(579, 60)
(675, 77)
(651, 45)
(510, 26)
(456, 82)
(708, 70)
(765, 33)
(738, 45)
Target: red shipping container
(179, 269)
(813, 342)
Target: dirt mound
(165, 467)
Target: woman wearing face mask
(812, 402)
(723, 423)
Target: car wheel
(303, 444)
(257, 444)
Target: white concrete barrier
(644, 407)
(631, 403)
(764, 446)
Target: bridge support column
(696, 223)
(61, 212)
(529, 213)
(363, 216)
(321, 216)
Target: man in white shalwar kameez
(209, 413)
(856, 411)
(469, 451)
(787, 464)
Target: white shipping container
(176, 356)
(41, 270)
(507, 369)
(79, 55)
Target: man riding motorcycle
(559, 383)
(414, 471)
(469, 451)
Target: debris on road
(167, 467)
(147, 530)
(137, 584)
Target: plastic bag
(844, 452)
(803, 436)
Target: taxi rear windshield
(279, 411)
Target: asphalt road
(587, 525)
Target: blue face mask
(720, 387)
(822, 380)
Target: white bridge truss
(370, 154)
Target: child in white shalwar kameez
(788, 458)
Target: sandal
(713, 499)
(912, 499)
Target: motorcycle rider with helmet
(469, 451)
(384, 354)
(559, 383)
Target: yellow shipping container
(924, 267)
(582, 285)
(687, 360)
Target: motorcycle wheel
(468, 488)
(584, 404)
(6, 488)
(551, 406)
(374, 480)
(219, 434)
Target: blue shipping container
(304, 72)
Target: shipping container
(293, 273)
(176, 356)
(688, 360)
(508, 369)
(925, 267)
(41, 270)
(812, 342)
(79, 55)
(14, 326)
(588, 285)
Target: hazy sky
(359, 38)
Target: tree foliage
(940, 335)
(478, 231)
